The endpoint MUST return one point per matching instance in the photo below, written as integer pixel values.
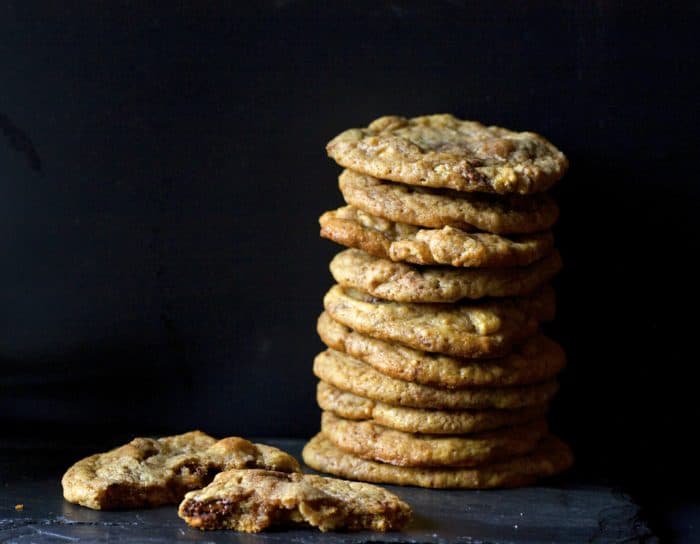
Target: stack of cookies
(436, 372)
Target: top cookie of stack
(444, 152)
(440, 212)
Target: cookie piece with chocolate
(254, 500)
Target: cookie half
(378, 443)
(254, 500)
(421, 420)
(401, 282)
(437, 208)
(537, 359)
(443, 151)
(475, 329)
(446, 246)
(551, 456)
(358, 378)
(151, 472)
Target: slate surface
(559, 511)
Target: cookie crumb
(19, 507)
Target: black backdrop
(163, 169)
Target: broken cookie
(253, 500)
(150, 472)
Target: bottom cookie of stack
(550, 456)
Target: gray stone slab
(561, 511)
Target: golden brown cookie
(253, 500)
(536, 360)
(476, 329)
(420, 420)
(437, 208)
(150, 472)
(550, 457)
(378, 443)
(401, 282)
(446, 246)
(351, 375)
(443, 151)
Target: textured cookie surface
(443, 151)
(446, 246)
(476, 329)
(151, 472)
(378, 443)
(536, 360)
(420, 420)
(354, 376)
(253, 500)
(437, 208)
(550, 457)
(403, 282)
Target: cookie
(402, 282)
(151, 472)
(353, 376)
(437, 208)
(551, 456)
(419, 420)
(535, 360)
(253, 500)
(443, 151)
(483, 329)
(378, 443)
(446, 246)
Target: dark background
(162, 169)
